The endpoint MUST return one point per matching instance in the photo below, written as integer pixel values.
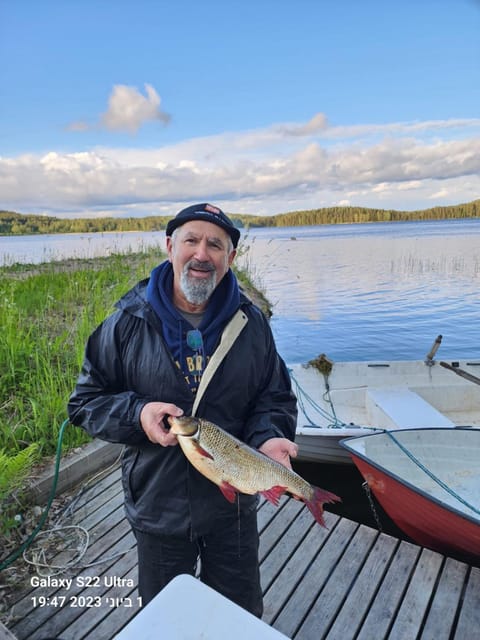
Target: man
(145, 363)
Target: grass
(47, 312)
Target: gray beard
(196, 291)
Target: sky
(135, 108)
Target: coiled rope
(17, 553)
(66, 539)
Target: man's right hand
(151, 420)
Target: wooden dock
(348, 581)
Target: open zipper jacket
(127, 364)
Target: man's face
(201, 254)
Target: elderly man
(187, 339)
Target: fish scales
(236, 467)
(248, 469)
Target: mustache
(199, 265)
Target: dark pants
(227, 558)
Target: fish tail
(315, 504)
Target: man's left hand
(280, 449)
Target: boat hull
(428, 482)
(322, 445)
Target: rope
(429, 473)
(15, 554)
(332, 422)
(57, 539)
(328, 398)
(303, 396)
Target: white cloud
(128, 110)
(280, 168)
(314, 125)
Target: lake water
(355, 292)
(374, 291)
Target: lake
(380, 291)
(372, 291)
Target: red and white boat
(428, 482)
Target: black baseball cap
(207, 212)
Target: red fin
(273, 494)
(228, 491)
(202, 451)
(315, 505)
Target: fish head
(186, 426)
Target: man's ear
(169, 247)
(231, 257)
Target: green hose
(15, 554)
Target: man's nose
(201, 251)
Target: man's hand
(280, 449)
(151, 419)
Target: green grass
(46, 315)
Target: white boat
(347, 399)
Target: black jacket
(127, 364)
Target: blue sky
(115, 107)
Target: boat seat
(402, 408)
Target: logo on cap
(211, 209)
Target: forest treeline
(12, 223)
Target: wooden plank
(286, 546)
(97, 493)
(115, 597)
(35, 616)
(469, 620)
(362, 592)
(87, 523)
(104, 528)
(30, 618)
(410, 616)
(123, 601)
(443, 610)
(268, 512)
(112, 624)
(6, 634)
(278, 526)
(336, 590)
(80, 614)
(388, 598)
(94, 511)
(73, 469)
(316, 576)
(290, 570)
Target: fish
(237, 468)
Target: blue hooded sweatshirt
(191, 348)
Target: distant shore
(13, 223)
